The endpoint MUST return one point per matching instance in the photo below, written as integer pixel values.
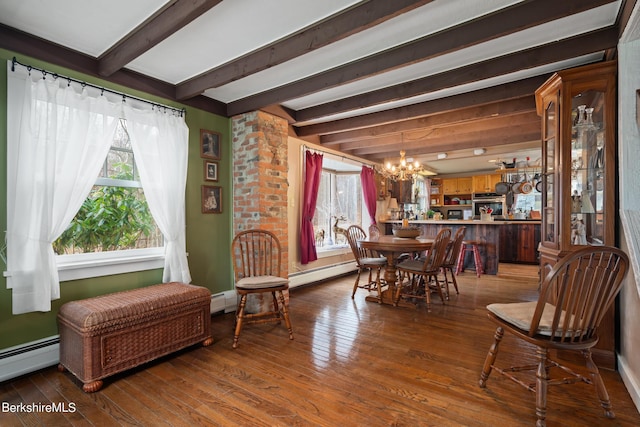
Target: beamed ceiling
(366, 78)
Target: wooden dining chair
(257, 259)
(374, 231)
(451, 259)
(420, 272)
(573, 299)
(366, 261)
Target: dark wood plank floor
(352, 363)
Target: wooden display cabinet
(577, 107)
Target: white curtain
(58, 139)
(160, 146)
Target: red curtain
(367, 178)
(312, 173)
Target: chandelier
(403, 171)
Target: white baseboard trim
(322, 273)
(29, 357)
(223, 302)
(630, 381)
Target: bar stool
(470, 245)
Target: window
(114, 221)
(339, 204)
(527, 202)
(115, 215)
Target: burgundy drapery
(312, 174)
(368, 181)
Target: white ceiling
(233, 29)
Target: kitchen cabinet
(437, 195)
(453, 186)
(577, 107)
(519, 242)
(486, 183)
(402, 191)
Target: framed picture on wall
(210, 171)
(210, 144)
(211, 199)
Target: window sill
(83, 266)
(325, 253)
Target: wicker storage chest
(111, 333)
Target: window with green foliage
(115, 215)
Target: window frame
(97, 264)
(341, 166)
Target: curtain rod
(344, 156)
(44, 72)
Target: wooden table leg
(388, 295)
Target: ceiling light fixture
(479, 151)
(403, 171)
(442, 156)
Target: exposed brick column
(260, 176)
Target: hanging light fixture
(402, 172)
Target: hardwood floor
(352, 363)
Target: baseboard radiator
(322, 273)
(29, 357)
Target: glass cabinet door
(550, 124)
(588, 136)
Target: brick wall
(260, 176)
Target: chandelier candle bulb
(405, 170)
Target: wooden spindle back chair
(422, 270)
(451, 259)
(366, 261)
(574, 297)
(257, 260)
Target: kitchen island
(487, 233)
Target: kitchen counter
(486, 233)
(465, 221)
(513, 240)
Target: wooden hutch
(577, 107)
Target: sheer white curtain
(58, 138)
(160, 146)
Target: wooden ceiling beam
(318, 35)
(480, 139)
(517, 89)
(504, 22)
(509, 107)
(166, 21)
(43, 50)
(585, 44)
(424, 135)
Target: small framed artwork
(210, 171)
(209, 144)
(211, 199)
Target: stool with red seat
(470, 245)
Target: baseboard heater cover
(29, 357)
(322, 273)
(223, 302)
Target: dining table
(392, 247)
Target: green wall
(208, 235)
